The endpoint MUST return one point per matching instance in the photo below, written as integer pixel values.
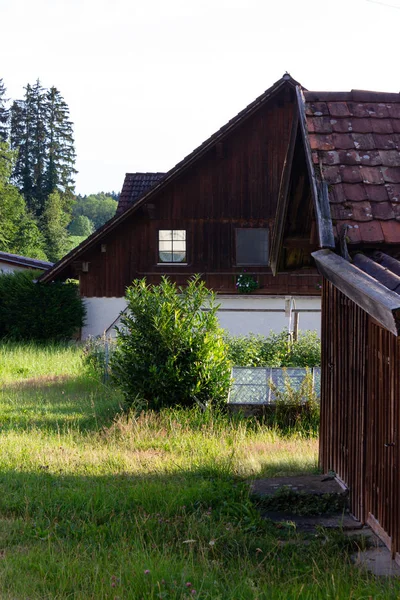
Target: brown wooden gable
(233, 182)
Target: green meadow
(99, 504)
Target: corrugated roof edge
(186, 162)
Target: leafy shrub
(169, 350)
(35, 311)
(276, 350)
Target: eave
(374, 298)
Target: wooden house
(214, 213)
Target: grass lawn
(95, 506)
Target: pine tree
(61, 152)
(21, 141)
(4, 113)
(42, 132)
(36, 108)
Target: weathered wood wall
(360, 412)
(235, 184)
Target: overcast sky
(148, 80)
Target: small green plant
(170, 351)
(296, 408)
(246, 283)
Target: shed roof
(135, 185)
(355, 147)
(24, 261)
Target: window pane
(179, 234)
(165, 234)
(165, 256)
(179, 256)
(251, 246)
(179, 246)
(165, 246)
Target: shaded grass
(94, 507)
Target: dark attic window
(172, 245)
(251, 247)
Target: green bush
(276, 350)
(169, 350)
(38, 312)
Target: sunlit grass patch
(97, 504)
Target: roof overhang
(374, 298)
(319, 189)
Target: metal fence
(251, 385)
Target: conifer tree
(4, 113)
(61, 152)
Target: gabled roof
(354, 139)
(285, 82)
(135, 185)
(24, 261)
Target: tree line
(40, 216)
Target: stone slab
(378, 561)
(307, 484)
(310, 523)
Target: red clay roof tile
(371, 232)
(355, 192)
(382, 210)
(391, 231)
(371, 175)
(390, 158)
(391, 174)
(376, 193)
(361, 211)
(351, 174)
(393, 191)
(338, 109)
(360, 160)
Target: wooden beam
(319, 189)
(370, 295)
(281, 209)
(297, 242)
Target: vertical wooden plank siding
(382, 434)
(343, 393)
(360, 412)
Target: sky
(147, 81)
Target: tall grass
(99, 504)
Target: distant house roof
(355, 147)
(24, 261)
(135, 185)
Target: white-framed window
(172, 246)
(251, 246)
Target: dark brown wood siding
(233, 185)
(360, 414)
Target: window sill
(172, 264)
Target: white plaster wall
(7, 268)
(239, 315)
(101, 314)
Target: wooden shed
(351, 145)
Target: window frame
(252, 264)
(172, 263)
